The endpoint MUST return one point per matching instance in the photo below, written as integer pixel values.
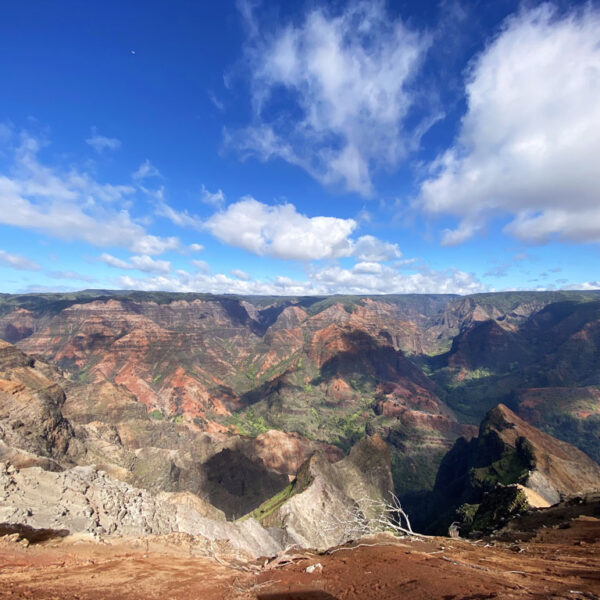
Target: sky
(299, 148)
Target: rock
(84, 500)
(49, 421)
(510, 466)
(31, 420)
(312, 568)
(328, 504)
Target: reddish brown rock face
(286, 452)
(196, 360)
(17, 325)
(176, 358)
(327, 368)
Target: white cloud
(216, 199)
(530, 140)
(201, 265)
(585, 285)
(113, 261)
(362, 279)
(371, 249)
(372, 268)
(196, 247)
(71, 205)
(182, 218)
(101, 142)
(16, 261)
(146, 170)
(373, 278)
(280, 231)
(347, 76)
(150, 265)
(240, 274)
(219, 105)
(141, 263)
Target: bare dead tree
(369, 516)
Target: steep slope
(330, 369)
(568, 413)
(328, 504)
(547, 369)
(507, 451)
(51, 422)
(32, 427)
(83, 500)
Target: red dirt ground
(558, 564)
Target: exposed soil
(559, 563)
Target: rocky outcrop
(328, 503)
(31, 420)
(330, 369)
(51, 422)
(322, 507)
(508, 451)
(84, 500)
(285, 453)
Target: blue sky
(299, 148)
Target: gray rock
(85, 500)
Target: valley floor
(558, 563)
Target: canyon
(243, 427)
(420, 370)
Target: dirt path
(561, 563)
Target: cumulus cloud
(362, 279)
(346, 77)
(280, 231)
(196, 247)
(141, 263)
(369, 248)
(530, 140)
(372, 268)
(366, 278)
(100, 142)
(71, 205)
(584, 285)
(16, 261)
(145, 171)
(150, 265)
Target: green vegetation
(479, 373)
(496, 508)
(415, 468)
(510, 468)
(251, 372)
(465, 515)
(156, 414)
(83, 375)
(249, 423)
(272, 504)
